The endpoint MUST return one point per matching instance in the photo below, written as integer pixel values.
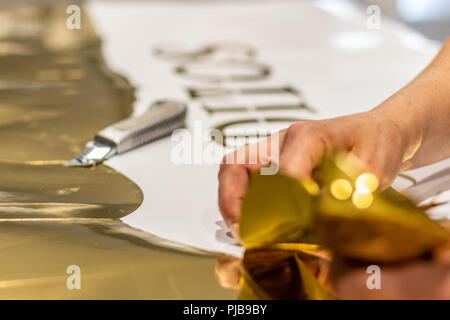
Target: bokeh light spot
(311, 186)
(362, 200)
(341, 189)
(366, 181)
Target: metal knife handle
(158, 121)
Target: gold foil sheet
(51, 191)
(116, 262)
(55, 93)
(54, 97)
(291, 229)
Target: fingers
(233, 183)
(305, 144)
(379, 156)
(373, 142)
(257, 154)
(299, 149)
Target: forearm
(422, 111)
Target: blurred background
(430, 17)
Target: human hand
(378, 143)
(408, 130)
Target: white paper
(324, 50)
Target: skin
(409, 130)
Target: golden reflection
(55, 99)
(366, 181)
(47, 162)
(116, 262)
(381, 226)
(56, 94)
(374, 227)
(362, 200)
(265, 220)
(53, 190)
(341, 189)
(270, 273)
(311, 186)
(41, 127)
(227, 271)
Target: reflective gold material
(276, 228)
(282, 226)
(54, 98)
(228, 271)
(48, 191)
(362, 200)
(56, 93)
(271, 273)
(43, 120)
(275, 209)
(114, 259)
(367, 181)
(341, 189)
(374, 227)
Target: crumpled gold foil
(297, 271)
(275, 209)
(390, 229)
(284, 228)
(281, 260)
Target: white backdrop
(321, 47)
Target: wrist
(409, 125)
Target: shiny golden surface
(55, 94)
(115, 263)
(341, 189)
(286, 273)
(285, 230)
(54, 191)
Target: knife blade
(160, 120)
